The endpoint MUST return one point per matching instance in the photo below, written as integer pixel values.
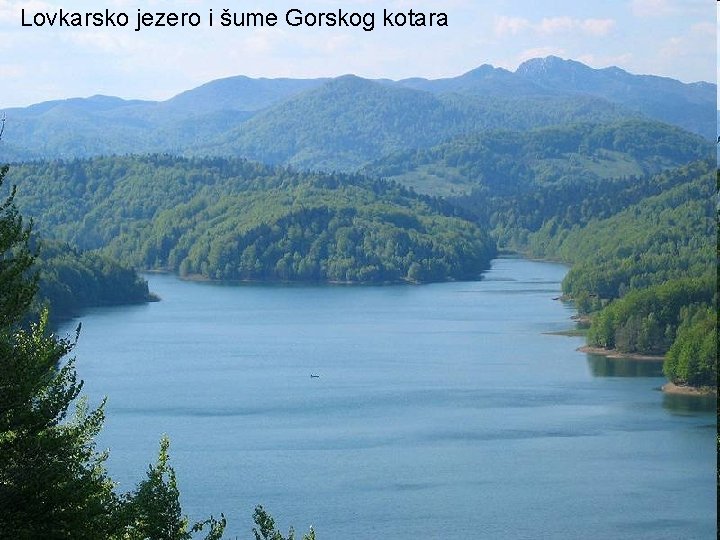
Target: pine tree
(154, 508)
(268, 531)
(52, 481)
(17, 286)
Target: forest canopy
(233, 219)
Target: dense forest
(647, 275)
(232, 219)
(498, 163)
(663, 237)
(71, 280)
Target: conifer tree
(52, 480)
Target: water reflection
(680, 404)
(602, 366)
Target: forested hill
(515, 183)
(667, 236)
(647, 274)
(349, 121)
(346, 122)
(504, 162)
(233, 219)
(70, 281)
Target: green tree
(154, 508)
(17, 287)
(52, 481)
(268, 531)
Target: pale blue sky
(673, 38)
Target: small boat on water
(313, 376)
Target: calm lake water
(441, 411)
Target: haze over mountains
(347, 122)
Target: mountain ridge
(212, 113)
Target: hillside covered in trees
(70, 280)
(648, 273)
(506, 168)
(232, 219)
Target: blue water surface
(440, 411)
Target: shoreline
(680, 390)
(617, 355)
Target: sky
(674, 38)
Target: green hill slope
(232, 219)
(506, 162)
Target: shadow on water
(680, 404)
(602, 366)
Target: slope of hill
(539, 174)
(231, 219)
(350, 121)
(649, 274)
(70, 281)
(666, 236)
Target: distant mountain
(340, 125)
(485, 80)
(662, 98)
(347, 122)
(238, 94)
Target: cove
(440, 411)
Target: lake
(440, 411)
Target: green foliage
(664, 237)
(649, 273)
(71, 280)
(647, 320)
(231, 219)
(692, 359)
(17, 289)
(67, 279)
(53, 483)
(154, 508)
(268, 531)
(537, 171)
